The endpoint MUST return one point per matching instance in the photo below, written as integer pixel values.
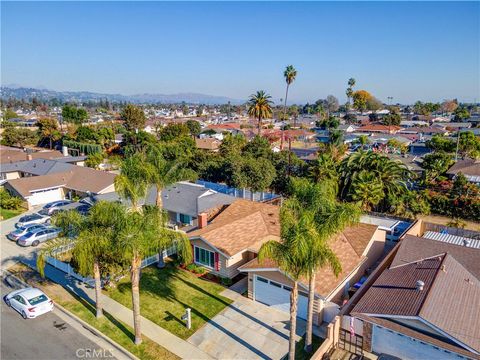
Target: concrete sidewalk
(164, 338)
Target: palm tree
(140, 234)
(330, 219)
(133, 181)
(260, 107)
(367, 190)
(324, 168)
(92, 251)
(349, 92)
(290, 254)
(165, 173)
(290, 75)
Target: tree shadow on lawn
(91, 308)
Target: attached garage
(277, 295)
(45, 196)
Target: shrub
(196, 269)
(8, 201)
(84, 148)
(226, 281)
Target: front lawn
(166, 293)
(7, 214)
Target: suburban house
(231, 237)
(378, 128)
(468, 167)
(233, 128)
(358, 249)
(185, 201)
(422, 300)
(208, 144)
(423, 304)
(57, 185)
(9, 155)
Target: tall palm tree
(165, 173)
(260, 107)
(92, 251)
(290, 254)
(133, 181)
(367, 190)
(349, 92)
(324, 168)
(140, 234)
(330, 219)
(290, 74)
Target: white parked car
(51, 208)
(33, 219)
(29, 302)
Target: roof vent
(443, 268)
(466, 242)
(419, 285)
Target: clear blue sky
(427, 50)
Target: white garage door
(385, 341)
(43, 197)
(277, 296)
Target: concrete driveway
(246, 330)
(10, 251)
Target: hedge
(84, 148)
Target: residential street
(46, 337)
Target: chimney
(419, 285)
(202, 220)
(29, 157)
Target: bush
(196, 269)
(84, 148)
(226, 281)
(8, 201)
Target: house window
(204, 257)
(184, 219)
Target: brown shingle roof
(78, 178)
(450, 298)
(208, 143)
(8, 156)
(242, 225)
(348, 246)
(469, 167)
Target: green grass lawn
(117, 331)
(300, 354)
(7, 214)
(166, 293)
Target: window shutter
(217, 263)
(193, 253)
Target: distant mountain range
(41, 93)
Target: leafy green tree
(393, 118)
(94, 160)
(174, 131)
(20, 137)
(260, 107)
(461, 113)
(48, 129)
(72, 114)
(367, 190)
(9, 114)
(441, 143)
(435, 165)
(232, 145)
(469, 144)
(194, 127)
(133, 117)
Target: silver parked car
(29, 302)
(52, 207)
(32, 219)
(18, 233)
(40, 235)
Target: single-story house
(79, 180)
(468, 167)
(233, 236)
(423, 303)
(208, 144)
(358, 249)
(378, 128)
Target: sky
(410, 51)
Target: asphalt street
(46, 337)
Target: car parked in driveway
(32, 219)
(18, 233)
(38, 236)
(51, 208)
(29, 302)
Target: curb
(15, 282)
